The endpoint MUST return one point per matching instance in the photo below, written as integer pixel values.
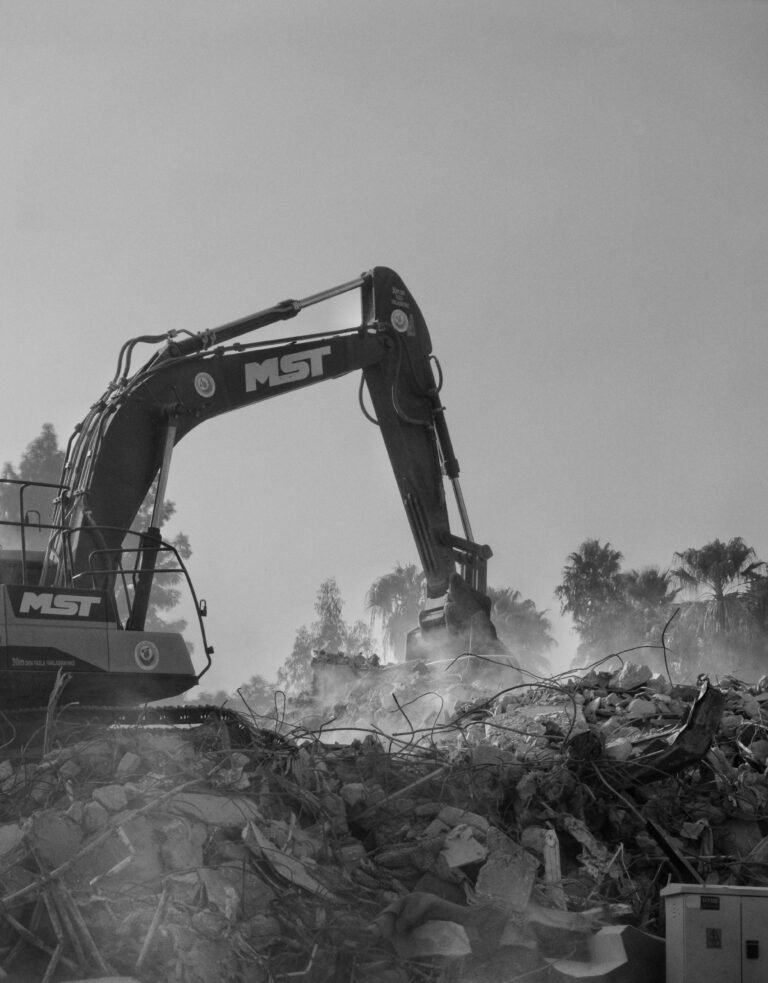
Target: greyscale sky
(574, 192)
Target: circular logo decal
(146, 655)
(204, 385)
(400, 320)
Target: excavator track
(34, 728)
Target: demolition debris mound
(496, 845)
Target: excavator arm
(127, 440)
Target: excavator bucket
(461, 625)
(453, 655)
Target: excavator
(76, 591)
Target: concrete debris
(460, 848)
(507, 877)
(524, 832)
(11, 835)
(629, 677)
(211, 809)
(616, 954)
(446, 940)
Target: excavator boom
(126, 442)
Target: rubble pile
(495, 846)
(355, 692)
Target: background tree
(328, 633)
(649, 599)
(395, 600)
(358, 639)
(166, 593)
(614, 610)
(258, 695)
(42, 461)
(719, 574)
(756, 598)
(525, 630)
(329, 630)
(591, 592)
(295, 675)
(723, 622)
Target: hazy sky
(574, 192)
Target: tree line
(707, 612)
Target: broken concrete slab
(616, 954)
(227, 811)
(507, 878)
(454, 816)
(296, 872)
(112, 797)
(130, 764)
(461, 847)
(182, 843)
(640, 708)
(93, 816)
(54, 836)
(630, 676)
(11, 836)
(448, 940)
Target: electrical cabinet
(716, 933)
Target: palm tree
(719, 575)
(649, 595)
(756, 598)
(522, 628)
(591, 583)
(395, 600)
(722, 625)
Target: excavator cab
(53, 620)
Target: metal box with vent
(716, 933)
